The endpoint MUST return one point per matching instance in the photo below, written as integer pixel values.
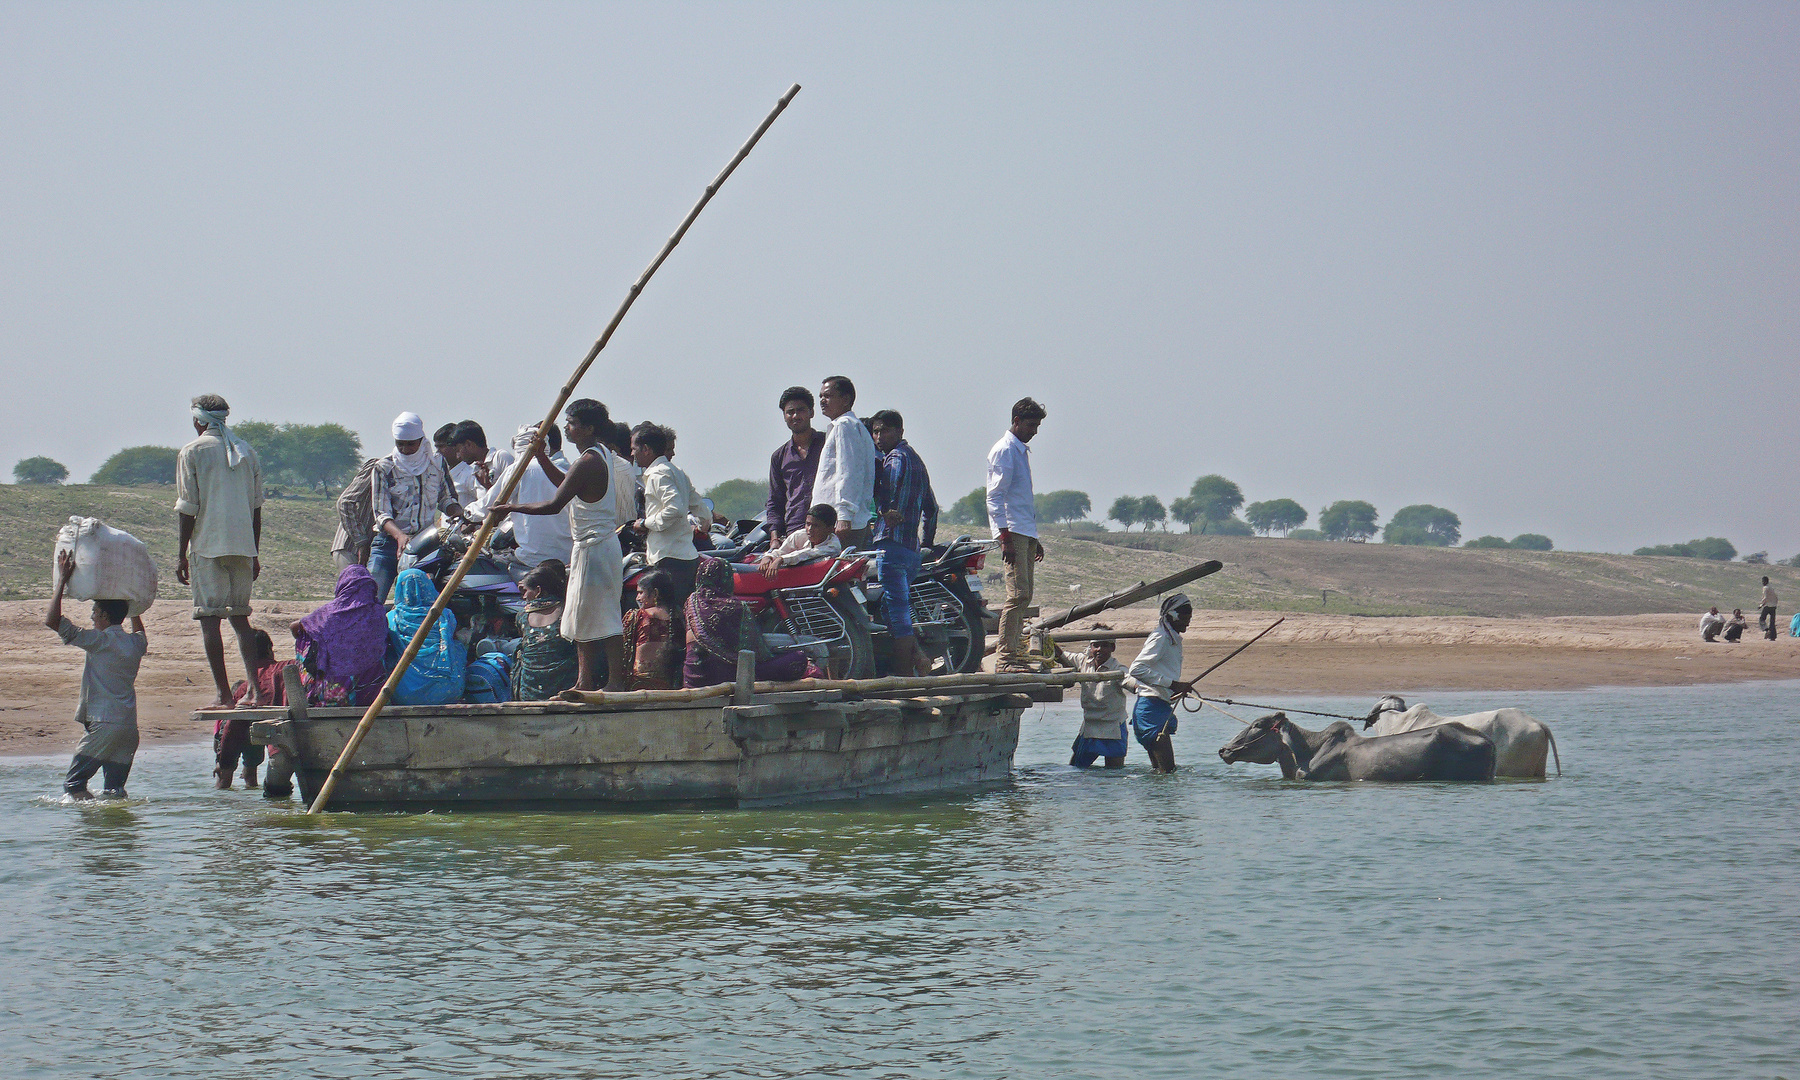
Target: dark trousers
(83, 768)
(231, 744)
(1766, 620)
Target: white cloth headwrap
(236, 449)
(1179, 600)
(407, 427)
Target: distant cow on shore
(1444, 752)
(1521, 744)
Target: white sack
(109, 564)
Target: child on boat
(1155, 677)
(649, 638)
(545, 664)
(108, 708)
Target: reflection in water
(1097, 924)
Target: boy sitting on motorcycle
(816, 541)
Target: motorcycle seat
(750, 582)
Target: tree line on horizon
(317, 457)
(322, 457)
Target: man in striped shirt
(906, 514)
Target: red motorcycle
(817, 607)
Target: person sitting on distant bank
(1710, 624)
(1736, 627)
(817, 540)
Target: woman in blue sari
(436, 674)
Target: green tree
(1306, 534)
(971, 509)
(1216, 499)
(1348, 519)
(1185, 510)
(307, 455)
(740, 500)
(1532, 542)
(138, 465)
(1680, 551)
(1488, 542)
(1276, 515)
(1151, 511)
(39, 470)
(1423, 525)
(1713, 547)
(1055, 506)
(1124, 510)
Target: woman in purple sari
(343, 645)
(718, 625)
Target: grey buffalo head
(1259, 743)
(1388, 703)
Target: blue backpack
(489, 680)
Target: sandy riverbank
(1311, 654)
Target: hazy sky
(1536, 264)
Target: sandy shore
(1310, 654)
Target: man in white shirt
(1014, 519)
(1710, 624)
(846, 475)
(218, 498)
(817, 540)
(667, 532)
(1155, 677)
(540, 537)
(1766, 619)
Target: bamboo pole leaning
(511, 480)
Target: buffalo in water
(1443, 752)
(1521, 745)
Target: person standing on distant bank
(1014, 519)
(846, 470)
(1766, 620)
(218, 500)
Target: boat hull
(707, 753)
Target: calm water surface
(1635, 918)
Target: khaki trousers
(1019, 573)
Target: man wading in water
(1154, 676)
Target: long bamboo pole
(512, 479)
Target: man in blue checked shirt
(906, 513)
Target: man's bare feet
(221, 778)
(219, 704)
(84, 795)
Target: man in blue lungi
(1155, 676)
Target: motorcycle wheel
(968, 643)
(858, 656)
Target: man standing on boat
(792, 466)
(668, 499)
(408, 489)
(906, 514)
(591, 616)
(846, 474)
(1014, 519)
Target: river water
(1636, 917)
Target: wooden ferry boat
(718, 745)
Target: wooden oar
(512, 480)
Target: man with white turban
(407, 490)
(218, 499)
(1155, 676)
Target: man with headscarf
(408, 489)
(1155, 677)
(218, 501)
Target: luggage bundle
(109, 564)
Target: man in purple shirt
(793, 465)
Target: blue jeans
(898, 565)
(384, 565)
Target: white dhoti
(591, 608)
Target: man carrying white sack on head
(218, 500)
(407, 490)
